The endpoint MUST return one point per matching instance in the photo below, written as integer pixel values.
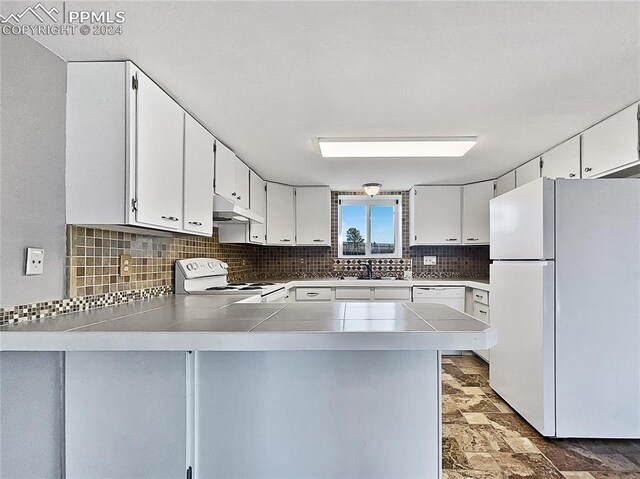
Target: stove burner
(252, 287)
(220, 288)
(261, 284)
(236, 284)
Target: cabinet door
(280, 215)
(313, 216)
(258, 205)
(198, 178)
(225, 172)
(611, 144)
(563, 161)
(436, 215)
(506, 183)
(242, 184)
(475, 212)
(528, 172)
(159, 157)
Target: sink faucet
(369, 269)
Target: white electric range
(209, 276)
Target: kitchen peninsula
(215, 387)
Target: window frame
(368, 201)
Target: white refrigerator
(565, 299)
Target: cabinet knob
(170, 218)
(197, 223)
(233, 194)
(572, 175)
(239, 197)
(588, 169)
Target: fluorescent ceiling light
(449, 147)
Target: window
(370, 227)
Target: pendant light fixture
(372, 189)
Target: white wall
(32, 169)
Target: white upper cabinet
(611, 144)
(225, 172)
(281, 215)
(258, 205)
(475, 212)
(435, 215)
(506, 182)
(528, 172)
(242, 184)
(313, 216)
(563, 161)
(123, 125)
(198, 178)
(159, 158)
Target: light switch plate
(430, 260)
(125, 265)
(35, 261)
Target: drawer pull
(479, 296)
(197, 223)
(483, 312)
(473, 239)
(313, 294)
(285, 240)
(170, 218)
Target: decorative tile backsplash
(93, 263)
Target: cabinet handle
(313, 294)
(572, 175)
(197, 223)
(451, 239)
(254, 236)
(239, 197)
(318, 240)
(170, 218)
(588, 169)
(285, 240)
(483, 312)
(478, 296)
(233, 194)
(473, 239)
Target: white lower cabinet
(481, 311)
(353, 294)
(126, 414)
(392, 294)
(314, 294)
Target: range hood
(225, 211)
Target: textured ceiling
(268, 78)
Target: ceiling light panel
(396, 148)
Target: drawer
(481, 312)
(393, 294)
(313, 294)
(480, 296)
(353, 293)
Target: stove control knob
(189, 267)
(211, 264)
(194, 266)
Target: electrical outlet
(430, 260)
(35, 261)
(125, 265)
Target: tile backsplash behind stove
(93, 258)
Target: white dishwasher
(452, 296)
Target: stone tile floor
(483, 438)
